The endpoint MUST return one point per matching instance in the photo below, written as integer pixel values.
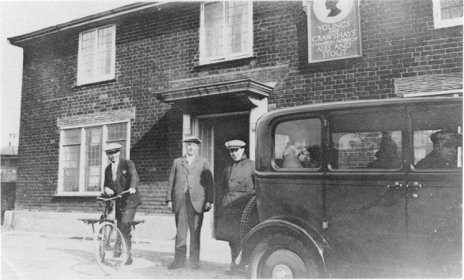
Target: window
(96, 57)
(226, 31)
(447, 13)
(297, 144)
(363, 140)
(82, 161)
(437, 137)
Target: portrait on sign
(333, 30)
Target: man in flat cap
(236, 188)
(444, 154)
(189, 194)
(120, 176)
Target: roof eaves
(17, 40)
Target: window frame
(82, 157)
(438, 22)
(305, 117)
(224, 57)
(96, 78)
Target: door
(434, 191)
(365, 202)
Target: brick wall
(158, 51)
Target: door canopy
(232, 96)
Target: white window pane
(71, 168)
(72, 136)
(94, 155)
(213, 29)
(237, 26)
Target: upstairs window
(96, 57)
(447, 13)
(226, 31)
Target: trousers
(187, 219)
(125, 217)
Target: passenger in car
(296, 154)
(444, 154)
(386, 156)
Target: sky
(21, 17)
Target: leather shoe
(195, 265)
(175, 265)
(129, 261)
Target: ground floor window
(82, 160)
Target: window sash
(96, 58)
(82, 161)
(226, 31)
(447, 13)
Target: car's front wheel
(282, 256)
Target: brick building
(145, 74)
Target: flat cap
(234, 144)
(192, 139)
(113, 147)
(446, 137)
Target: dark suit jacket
(126, 177)
(197, 178)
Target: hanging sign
(333, 30)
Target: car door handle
(396, 185)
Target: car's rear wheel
(281, 256)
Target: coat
(126, 177)
(235, 190)
(196, 177)
(237, 180)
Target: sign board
(333, 30)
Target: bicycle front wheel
(110, 248)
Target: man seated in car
(444, 154)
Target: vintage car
(358, 189)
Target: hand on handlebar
(132, 190)
(108, 191)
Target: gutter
(17, 40)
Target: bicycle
(109, 244)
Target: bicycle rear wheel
(110, 248)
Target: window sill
(93, 83)
(228, 59)
(89, 194)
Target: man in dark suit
(235, 190)
(189, 194)
(120, 175)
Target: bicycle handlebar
(112, 198)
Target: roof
(357, 104)
(17, 40)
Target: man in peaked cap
(120, 176)
(444, 154)
(235, 191)
(189, 195)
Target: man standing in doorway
(189, 194)
(120, 176)
(236, 189)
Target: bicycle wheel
(110, 248)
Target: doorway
(220, 130)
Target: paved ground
(28, 255)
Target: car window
(437, 137)
(366, 140)
(297, 144)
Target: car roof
(330, 106)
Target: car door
(364, 195)
(434, 193)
